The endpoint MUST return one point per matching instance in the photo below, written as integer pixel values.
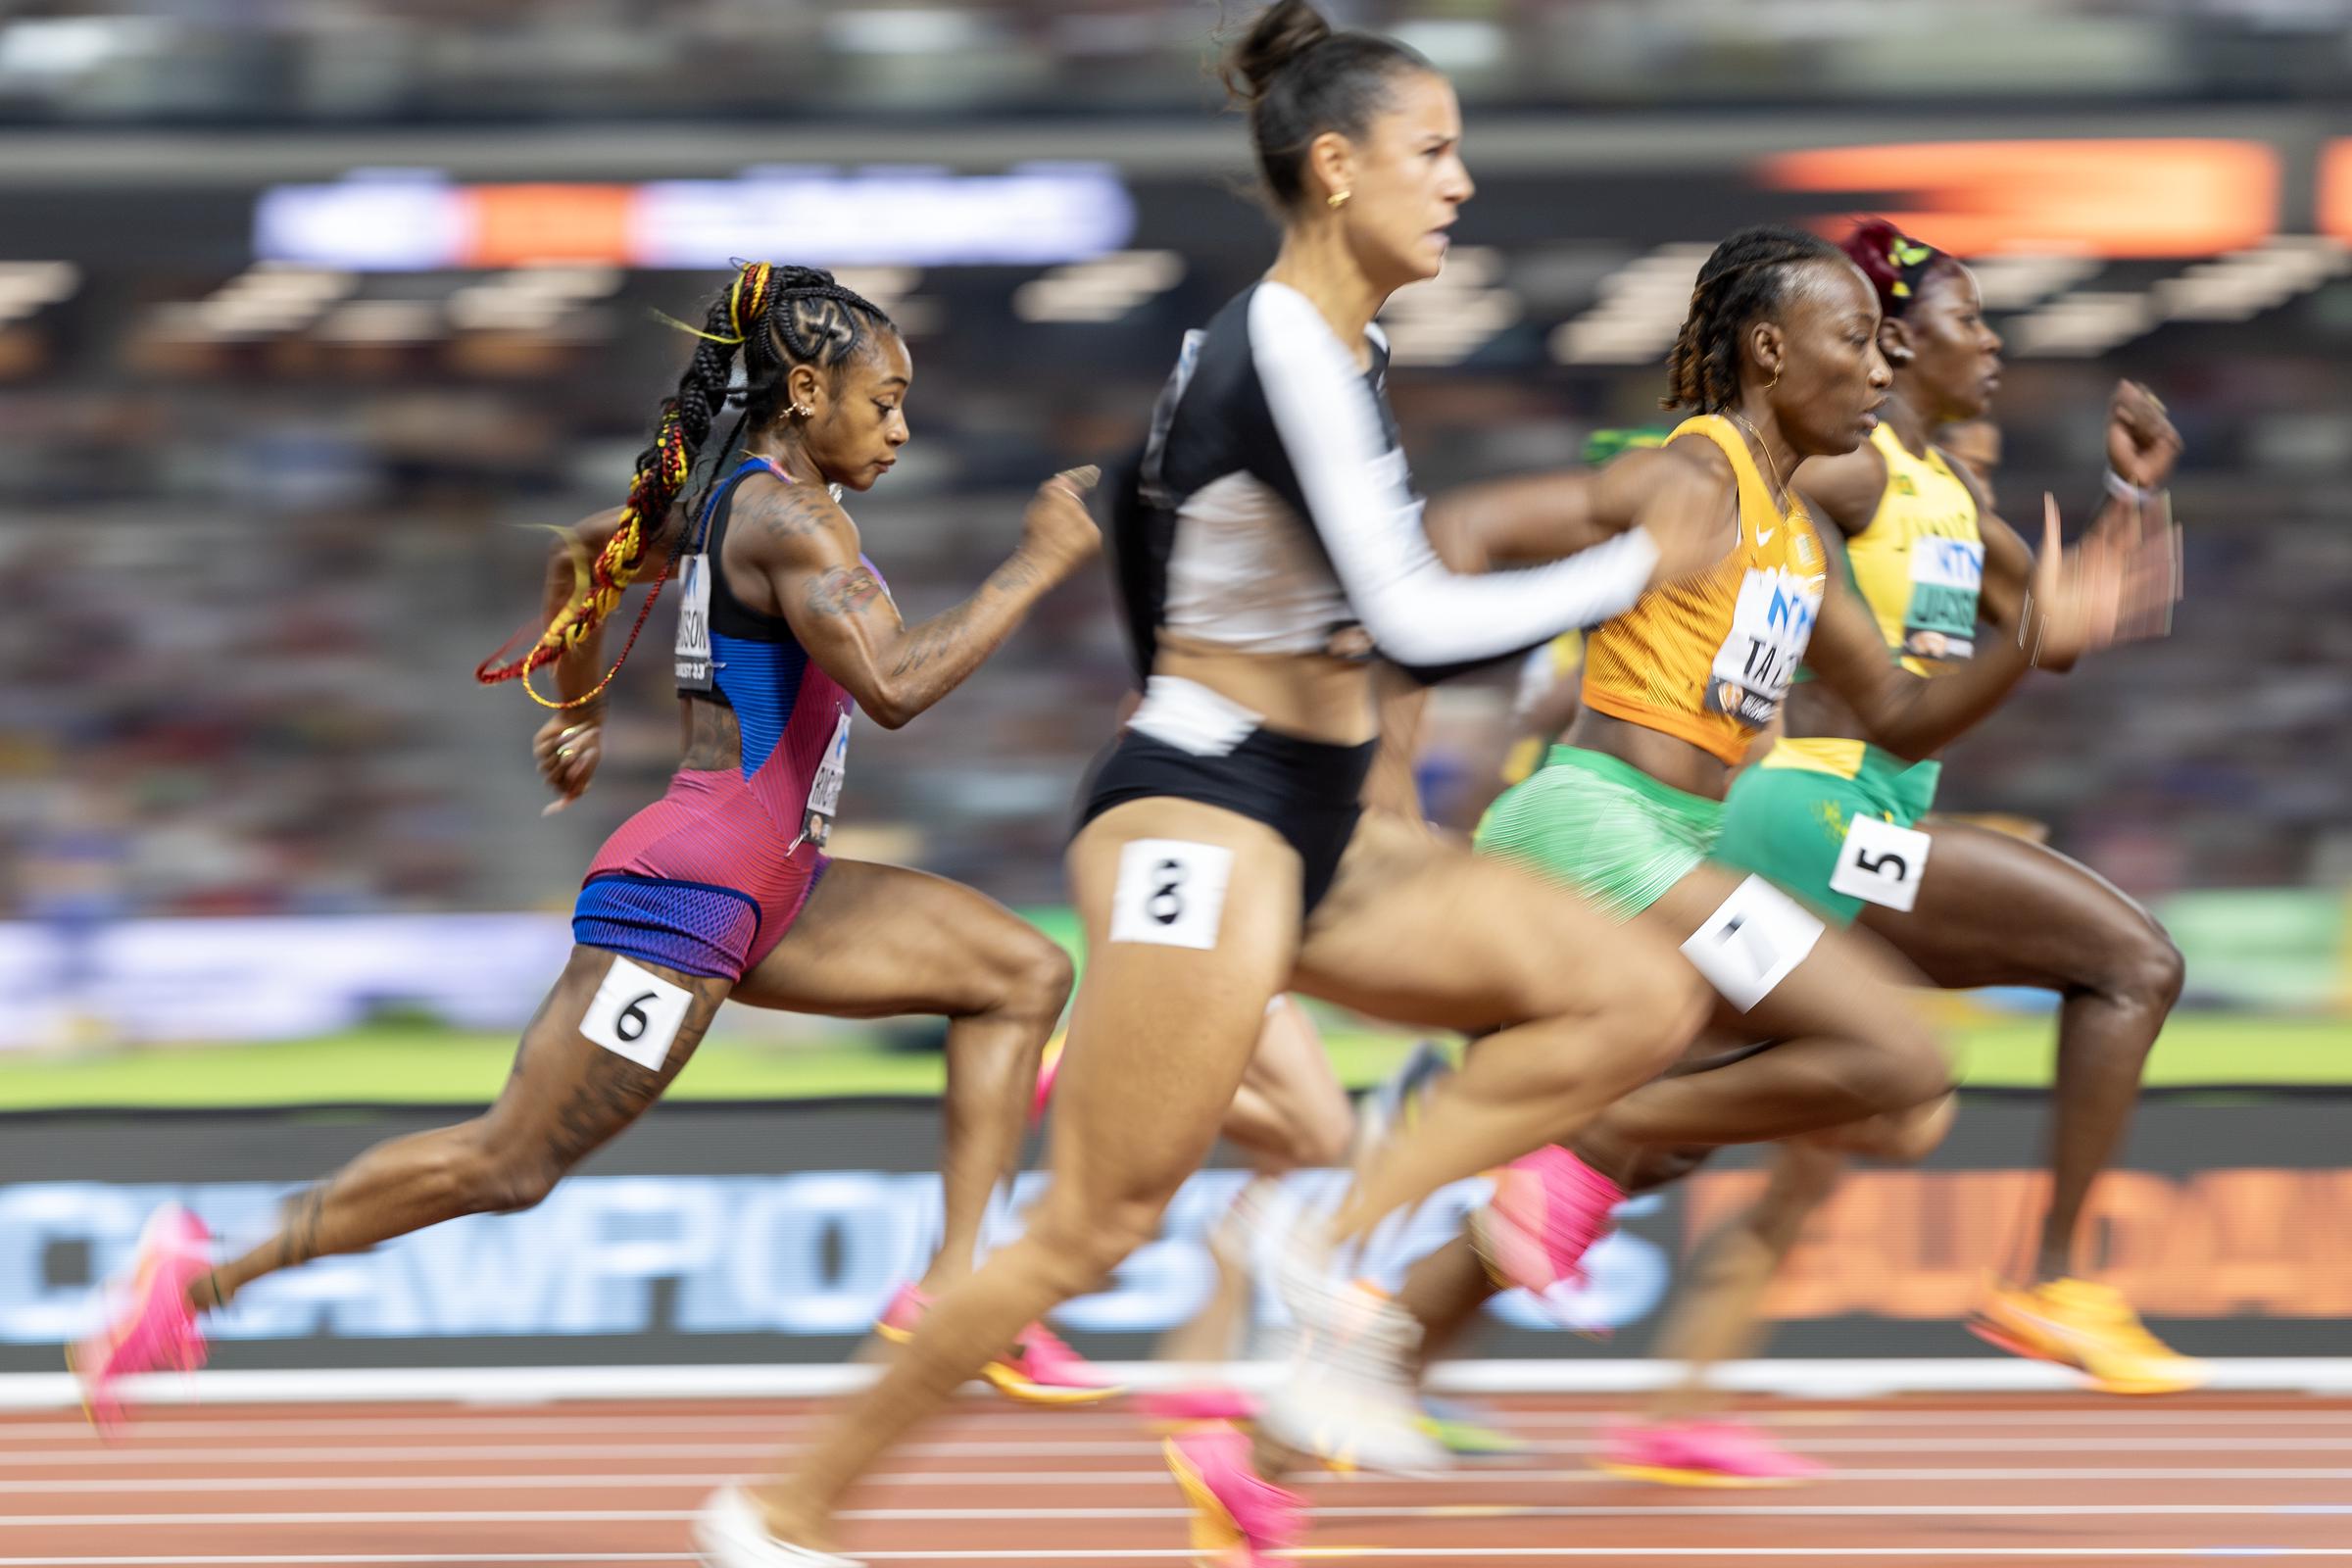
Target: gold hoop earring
(1776, 378)
(1338, 199)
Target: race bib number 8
(1882, 864)
(1170, 892)
(636, 1014)
(1751, 942)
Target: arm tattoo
(790, 510)
(1012, 576)
(934, 637)
(843, 591)
(297, 1243)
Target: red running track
(2011, 1481)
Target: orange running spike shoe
(2088, 1327)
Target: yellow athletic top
(1920, 564)
(1708, 661)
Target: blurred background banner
(312, 312)
(778, 1234)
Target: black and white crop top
(1271, 512)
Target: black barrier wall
(775, 1232)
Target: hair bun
(1281, 33)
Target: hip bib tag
(1170, 893)
(1882, 864)
(694, 624)
(636, 1014)
(824, 791)
(1751, 942)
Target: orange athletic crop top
(1708, 660)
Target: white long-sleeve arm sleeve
(1417, 611)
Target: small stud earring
(1338, 199)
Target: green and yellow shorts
(1789, 817)
(1602, 827)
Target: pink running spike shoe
(1240, 1519)
(1702, 1453)
(1549, 1209)
(1041, 1368)
(149, 1326)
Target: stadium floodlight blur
(416, 220)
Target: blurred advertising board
(769, 1234)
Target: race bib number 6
(1170, 893)
(636, 1014)
(1882, 864)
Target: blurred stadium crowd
(251, 569)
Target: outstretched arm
(2077, 600)
(852, 627)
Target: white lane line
(117, 1457)
(931, 1480)
(1776, 1510)
(1802, 1378)
(568, 1481)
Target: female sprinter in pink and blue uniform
(722, 886)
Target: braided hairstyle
(1746, 277)
(779, 317)
(1298, 78)
(1896, 265)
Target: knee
(1902, 1137)
(1320, 1142)
(1037, 981)
(485, 1174)
(1911, 1070)
(2154, 972)
(1083, 1242)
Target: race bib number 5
(1170, 893)
(1882, 864)
(1751, 942)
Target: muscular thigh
(607, 1040)
(1419, 930)
(1995, 909)
(1191, 920)
(876, 940)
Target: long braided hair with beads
(1746, 277)
(777, 316)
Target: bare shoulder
(780, 523)
(1689, 473)
(1845, 489)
